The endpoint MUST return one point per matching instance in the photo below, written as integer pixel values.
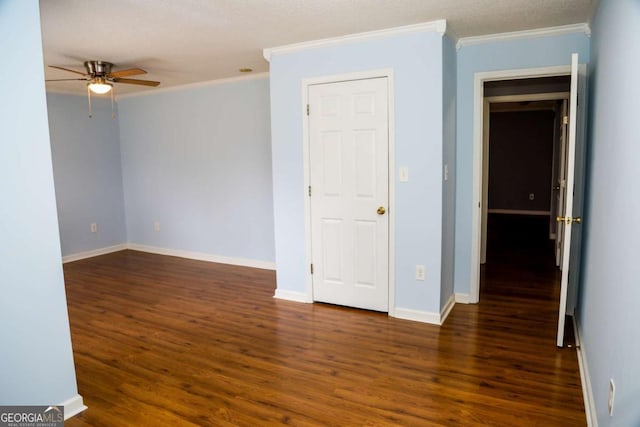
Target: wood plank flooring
(164, 341)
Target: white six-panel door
(567, 217)
(349, 180)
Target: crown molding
(526, 34)
(195, 85)
(256, 76)
(439, 26)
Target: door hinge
(565, 120)
(307, 109)
(309, 191)
(311, 268)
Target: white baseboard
(417, 315)
(200, 256)
(73, 406)
(462, 298)
(95, 252)
(292, 296)
(585, 379)
(447, 308)
(425, 316)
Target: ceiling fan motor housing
(98, 68)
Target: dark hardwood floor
(163, 341)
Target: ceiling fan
(100, 78)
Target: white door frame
(371, 74)
(478, 136)
(547, 96)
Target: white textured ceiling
(187, 41)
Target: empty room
(319, 213)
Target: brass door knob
(568, 220)
(381, 210)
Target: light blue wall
(87, 173)
(610, 290)
(505, 55)
(449, 158)
(36, 361)
(198, 160)
(417, 63)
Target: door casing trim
(335, 78)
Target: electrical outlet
(420, 272)
(446, 172)
(612, 395)
(532, 196)
(156, 226)
(94, 227)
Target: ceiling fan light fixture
(99, 86)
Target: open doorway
(572, 182)
(520, 196)
(524, 141)
(525, 135)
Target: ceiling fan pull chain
(113, 112)
(89, 98)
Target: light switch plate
(404, 174)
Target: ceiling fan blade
(63, 80)
(136, 82)
(66, 69)
(128, 72)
